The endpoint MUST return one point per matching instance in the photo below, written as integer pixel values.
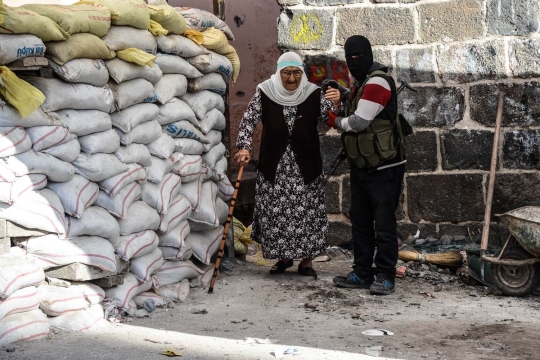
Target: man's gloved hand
(331, 122)
(334, 84)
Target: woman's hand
(334, 96)
(242, 157)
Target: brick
(514, 18)
(422, 151)
(339, 232)
(306, 29)
(381, 25)
(513, 191)
(464, 149)
(521, 107)
(330, 146)
(523, 57)
(333, 197)
(332, 2)
(451, 21)
(472, 61)
(445, 198)
(415, 65)
(432, 106)
(521, 149)
(404, 229)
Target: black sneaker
(353, 281)
(382, 286)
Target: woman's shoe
(307, 271)
(281, 266)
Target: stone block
(5, 244)
(521, 107)
(77, 272)
(521, 149)
(512, 18)
(451, 21)
(432, 106)
(404, 229)
(330, 146)
(339, 233)
(416, 65)
(422, 151)
(3, 228)
(472, 232)
(306, 29)
(513, 191)
(384, 57)
(445, 198)
(468, 62)
(346, 195)
(289, 2)
(464, 149)
(332, 2)
(523, 57)
(381, 25)
(333, 205)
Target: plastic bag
(136, 56)
(168, 18)
(156, 29)
(23, 96)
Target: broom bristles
(452, 258)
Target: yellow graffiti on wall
(306, 28)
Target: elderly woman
(289, 219)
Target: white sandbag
(188, 146)
(40, 209)
(201, 20)
(6, 175)
(214, 154)
(209, 174)
(144, 266)
(173, 64)
(179, 45)
(162, 147)
(176, 234)
(57, 300)
(214, 137)
(185, 129)
(177, 292)
(177, 254)
(135, 245)
(85, 71)
(221, 167)
(206, 217)
(173, 272)
(118, 204)
(132, 116)
(131, 92)
(113, 185)
(169, 86)
(85, 122)
(205, 244)
(204, 101)
(105, 142)
(44, 137)
(159, 195)
(212, 63)
(151, 99)
(98, 167)
(121, 70)
(192, 192)
(175, 110)
(14, 140)
(179, 210)
(14, 47)
(226, 190)
(158, 169)
(90, 318)
(124, 37)
(11, 191)
(204, 279)
(131, 287)
(134, 153)
(213, 120)
(31, 325)
(145, 296)
(62, 95)
(22, 300)
(9, 117)
(188, 167)
(90, 250)
(18, 273)
(140, 216)
(143, 133)
(67, 152)
(76, 194)
(31, 162)
(95, 221)
(212, 82)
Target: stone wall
(459, 54)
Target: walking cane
(226, 230)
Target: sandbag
(144, 266)
(188, 167)
(201, 20)
(85, 122)
(11, 191)
(204, 101)
(118, 204)
(225, 189)
(44, 137)
(169, 86)
(126, 12)
(76, 194)
(24, 326)
(177, 254)
(163, 147)
(67, 152)
(143, 133)
(176, 292)
(206, 217)
(90, 318)
(124, 37)
(134, 172)
(79, 46)
(134, 153)
(132, 116)
(179, 45)
(214, 154)
(204, 279)
(145, 296)
(31, 162)
(131, 287)
(121, 70)
(216, 40)
(20, 20)
(192, 192)
(98, 167)
(6, 175)
(221, 167)
(9, 116)
(213, 63)
(18, 273)
(175, 110)
(106, 142)
(168, 18)
(135, 245)
(179, 210)
(140, 216)
(212, 82)
(131, 92)
(188, 146)
(14, 47)
(86, 71)
(22, 300)
(174, 64)
(173, 272)
(185, 129)
(175, 233)
(208, 174)
(214, 137)
(159, 195)
(213, 120)
(158, 169)
(14, 140)
(205, 244)
(95, 221)
(61, 95)
(57, 300)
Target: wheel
(516, 280)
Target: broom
(452, 258)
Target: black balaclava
(360, 46)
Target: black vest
(304, 139)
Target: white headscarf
(274, 89)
